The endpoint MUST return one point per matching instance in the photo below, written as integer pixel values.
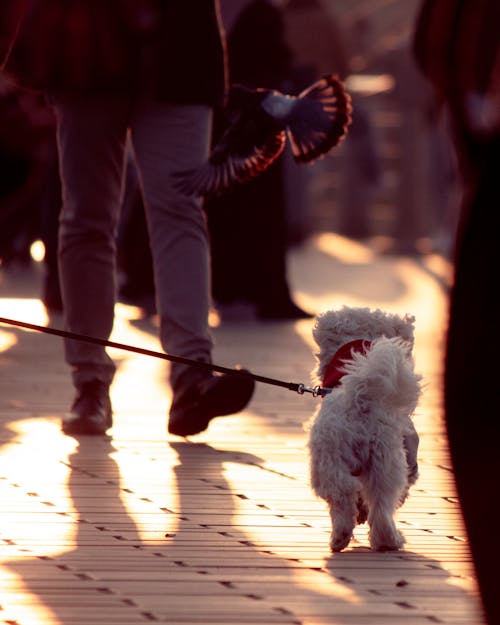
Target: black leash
(291, 386)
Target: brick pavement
(223, 528)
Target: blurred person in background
(320, 46)
(150, 71)
(248, 225)
(27, 149)
(457, 46)
(316, 41)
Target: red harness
(334, 371)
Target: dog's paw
(340, 540)
(389, 543)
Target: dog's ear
(322, 326)
(319, 335)
(406, 328)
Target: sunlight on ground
(141, 396)
(40, 531)
(441, 267)
(346, 250)
(19, 309)
(285, 544)
(140, 389)
(422, 298)
(7, 340)
(136, 470)
(30, 310)
(332, 588)
(30, 610)
(30, 457)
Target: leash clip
(316, 391)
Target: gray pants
(92, 139)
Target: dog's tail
(384, 374)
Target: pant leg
(91, 142)
(167, 139)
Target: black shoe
(196, 403)
(91, 411)
(286, 311)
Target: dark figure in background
(247, 225)
(319, 46)
(316, 41)
(149, 72)
(50, 209)
(27, 148)
(457, 45)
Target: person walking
(150, 71)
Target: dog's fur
(362, 442)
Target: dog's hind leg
(344, 513)
(383, 498)
(384, 536)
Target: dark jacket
(171, 48)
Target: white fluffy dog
(362, 442)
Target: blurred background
(393, 180)
(391, 184)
